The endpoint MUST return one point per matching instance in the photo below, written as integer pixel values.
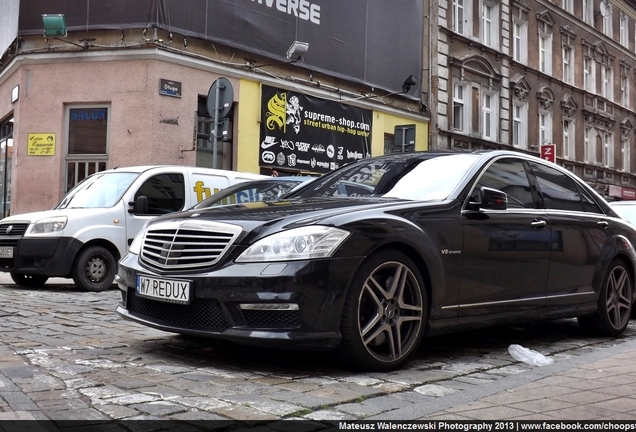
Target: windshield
(408, 177)
(98, 191)
(249, 192)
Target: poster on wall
(309, 134)
(41, 144)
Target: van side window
(165, 193)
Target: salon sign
(41, 144)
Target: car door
(506, 253)
(580, 229)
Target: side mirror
(489, 198)
(139, 206)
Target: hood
(290, 212)
(72, 213)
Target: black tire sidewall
(79, 269)
(352, 349)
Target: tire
(384, 314)
(32, 281)
(94, 269)
(614, 304)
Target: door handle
(602, 224)
(538, 223)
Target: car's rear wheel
(33, 281)
(94, 269)
(614, 303)
(384, 313)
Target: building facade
(553, 78)
(257, 86)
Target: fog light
(269, 306)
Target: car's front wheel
(94, 269)
(384, 313)
(614, 303)
(32, 281)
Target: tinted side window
(559, 191)
(509, 176)
(165, 192)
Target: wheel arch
(619, 247)
(99, 242)
(417, 258)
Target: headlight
(135, 246)
(49, 225)
(296, 244)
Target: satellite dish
(220, 97)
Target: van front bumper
(52, 257)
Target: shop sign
(41, 144)
(309, 134)
(548, 152)
(622, 192)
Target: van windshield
(98, 191)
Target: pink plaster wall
(142, 122)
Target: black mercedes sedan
(370, 258)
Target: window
(489, 25)
(567, 65)
(568, 5)
(459, 108)
(568, 140)
(606, 82)
(545, 128)
(460, 17)
(608, 150)
(625, 145)
(207, 155)
(520, 42)
(509, 176)
(165, 192)
(625, 91)
(606, 12)
(588, 11)
(559, 191)
(589, 156)
(624, 29)
(6, 155)
(519, 122)
(87, 147)
(589, 76)
(489, 116)
(545, 53)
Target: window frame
(84, 164)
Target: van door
(165, 193)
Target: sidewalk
(596, 386)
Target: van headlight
(314, 241)
(49, 225)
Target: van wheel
(33, 281)
(94, 269)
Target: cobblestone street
(66, 355)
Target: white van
(84, 236)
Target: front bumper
(219, 298)
(51, 257)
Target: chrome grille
(176, 245)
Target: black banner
(376, 42)
(309, 134)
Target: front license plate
(167, 290)
(6, 252)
